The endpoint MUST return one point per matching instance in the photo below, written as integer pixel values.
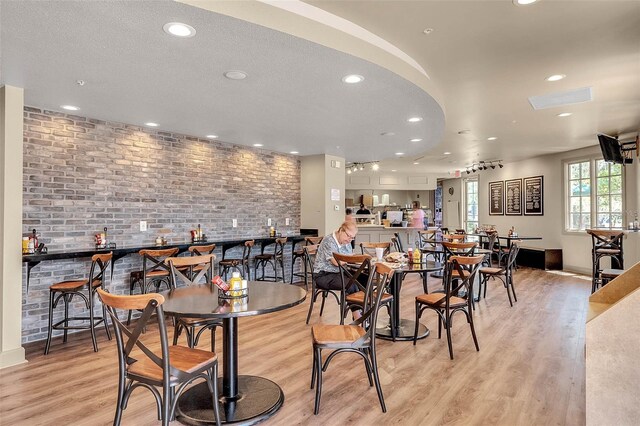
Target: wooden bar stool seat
(240, 264)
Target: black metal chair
(240, 264)
(370, 248)
(398, 242)
(504, 274)
(310, 258)
(299, 254)
(154, 272)
(358, 337)
(66, 290)
(605, 243)
(273, 259)
(191, 271)
(201, 251)
(354, 270)
(448, 303)
(171, 369)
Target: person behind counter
(349, 216)
(363, 210)
(325, 268)
(417, 217)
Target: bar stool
(609, 274)
(605, 243)
(272, 259)
(299, 254)
(239, 264)
(65, 290)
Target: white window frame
(465, 219)
(593, 176)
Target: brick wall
(82, 174)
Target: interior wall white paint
(396, 181)
(450, 201)
(317, 179)
(11, 128)
(576, 247)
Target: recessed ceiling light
(523, 2)
(179, 29)
(352, 78)
(393, 170)
(427, 31)
(69, 107)
(257, 145)
(555, 77)
(415, 140)
(375, 166)
(414, 119)
(446, 153)
(80, 82)
(151, 124)
(415, 163)
(294, 152)
(212, 136)
(235, 75)
(387, 134)
(399, 153)
(464, 132)
(564, 114)
(492, 138)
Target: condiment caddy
(235, 288)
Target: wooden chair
(505, 273)
(272, 259)
(427, 240)
(353, 270)
(240, 264)
(191, 271)
(310, 258)
(398, 242)
(446, 304)
(171, 368)
(154, 272)
(358, 337)
(66, 290)
(370, 248)
(453, 237)
(299, 254)
(201, 251)
(605, 243)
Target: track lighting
(483, 165)
(354, 167)
(500, 165)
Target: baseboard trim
(12, 357)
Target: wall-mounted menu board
(513, 189)
(496, 198)
(534, 196)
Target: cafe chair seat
(490, 270)
(73, 285)
(438, 299)
(358, 337)
(332, 334)
(181, 358)
(358, 298)
(66, 291)
(504, 274)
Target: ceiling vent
(559, 99)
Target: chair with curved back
(240, 264)
(299, 254)
(427, 242)
(171, 368)
(272, 259)
(504, 273)
(193, 270)
(154, 271)
(202, 250)
(448, 303)
(354, 269)
(605, 243)
(454, 237)
(86, 290)
(358, 337)
(370, 248)
(310, 257)
(398, 242)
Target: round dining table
(404, 328)
(244, 399)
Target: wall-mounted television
(612, 150)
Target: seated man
(325, 269)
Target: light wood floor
(529, 371)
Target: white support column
(11, 137)
(321, 177)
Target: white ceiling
(484, 59)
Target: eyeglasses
(351, 237)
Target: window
(471, 205)
(587, 208)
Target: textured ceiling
(484, 58)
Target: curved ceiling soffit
(308, 22)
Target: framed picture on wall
(513, 189)
(496, 198)
(534, 196)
